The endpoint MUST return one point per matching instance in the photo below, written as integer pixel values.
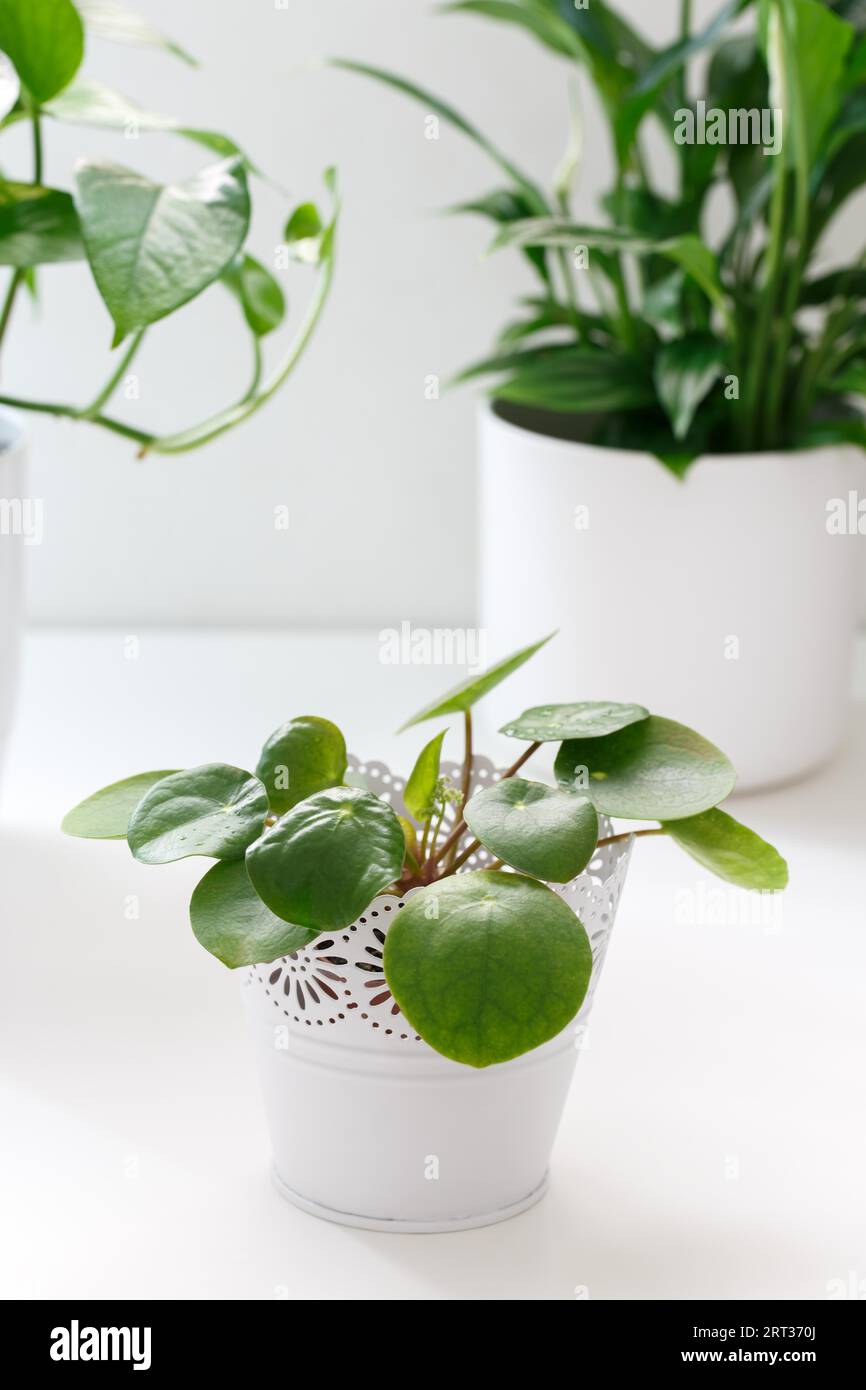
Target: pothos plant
(151, 248)
(301, 851)
(674, 323)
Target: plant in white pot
(150, 248)
(674, 427)
(418, 957)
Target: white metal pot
(371, 1127)
(722, 600)
(16, 530)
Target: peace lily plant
(151, 248)
(672, 324)
(300, 852)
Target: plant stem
(460, 827)
(91, 411)
(465, 779)
(18, 275)
(628, 835)
(70, 412)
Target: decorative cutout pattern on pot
(338, 981)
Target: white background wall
(378, 480)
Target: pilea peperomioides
(299, 852)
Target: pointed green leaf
(152, 248)
(257, 292)
(654, 770)
(418, 794)
(37, 226)
(230, 920)
(87, 102)
(303, 234)
(685, 371)
(212, 810)
(105, 815)
(487, 965)
(465, 695)
(328, 857)
(539, 830)
(730, 850)
(586, 719)
(303, 756)
(44, 40)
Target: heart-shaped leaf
(654, 770)
(423, 778)
(487, 965)
(231, 921)
(304, 756)
(465, 695)
(45, 41)
(587, 719)
(326, 860)
(105, 815)
(257, 292)
(152, 248)
(213, 810)
(37, 226)
(730, 850)
(539, 830)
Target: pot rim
(489, 417)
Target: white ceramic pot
(371, 1127)
(16, 518)
(722, 600)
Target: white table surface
(714, 1143)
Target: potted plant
(150, 248)
(419, 957)
(674, 426)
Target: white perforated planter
(371, 1127)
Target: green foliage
(485, 964)
(768, 99)
(151, 247)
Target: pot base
(373, 1223)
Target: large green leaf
(303, 756)
(107, 19)
(326, 859)
(686, 369)
(152, 248)
(258, 293)
(470, 691)
(586, 719)
(820, 43)
(105, 815)
(730, 850)
(487, 965)
(213, 810)
(231, 921)
(87, 102)
(418, 794)
(539, 830)
(654, 770)
(45, 41)
(37, 226)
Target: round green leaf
(730, 850)
(469, 692)
(423, 778)
(231, 921)
(587, 719)
(213, 810)
(487, 965)
(536, 829)
(153, 248)
(304, 756)
(105, 815)
(653, 770)
(260, 297)
(45, 41)
(326, 860)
